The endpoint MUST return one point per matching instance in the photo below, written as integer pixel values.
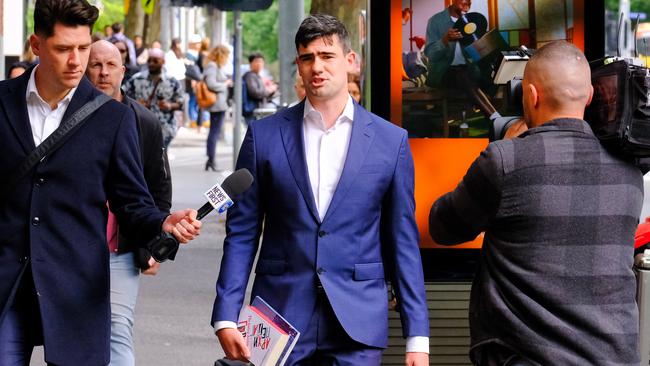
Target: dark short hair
(116, 27)
(255, 55)
(67, 12)
(322, 26)
(18, 65)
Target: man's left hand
(183, 225)
(416, 359)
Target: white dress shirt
(43, 119)
(174, 66)
(325, 153)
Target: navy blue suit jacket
(368, 234)
(67, 192)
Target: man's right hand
(452, 35)
(233, 344)
(183, 225)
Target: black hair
(67, 12)
(18, 65)
(126, 47)
(253, 56)
(116, 27)
(322, 26)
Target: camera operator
(555, 285)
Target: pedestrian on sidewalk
(118, 35)
(217, 82)
(106, 71)
(158, 92)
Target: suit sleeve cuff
(416, 344)
(223, 324)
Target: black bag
(619, 113)
(52, 143)
(248, 104)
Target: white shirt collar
(346, 116)
(32, 91)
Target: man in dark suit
(54, 272)
(555, 285)
(333, 193)
(106, 71)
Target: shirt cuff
(415, 344)
(223, 324)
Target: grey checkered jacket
(555, 282)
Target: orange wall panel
(440, 164)
(396, 62)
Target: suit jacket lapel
(15, 107)
(294, 146)
(360, 141)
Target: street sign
(148, 6)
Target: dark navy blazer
(367, 236)
(56, 219)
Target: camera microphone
(220, 197)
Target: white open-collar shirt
(42, 118)
(325, 151)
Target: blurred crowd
(166, 82)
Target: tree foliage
(110, 11)
(260, 32)
(637, 6)
(347, 11)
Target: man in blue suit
(333, 195)
(54, 273)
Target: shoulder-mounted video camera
(619, 113)
(509, 71)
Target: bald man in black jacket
(106, 71)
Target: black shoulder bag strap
(52, 142)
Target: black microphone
(164, 246)
(220, 196)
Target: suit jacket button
(36, 221)
(23, 259)
(321, 233)
(40, 182)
